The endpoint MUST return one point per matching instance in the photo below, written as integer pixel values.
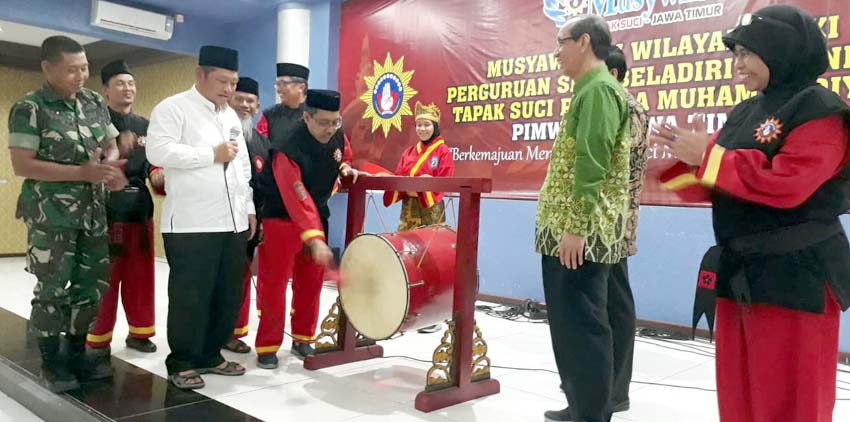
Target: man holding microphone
(207, 218)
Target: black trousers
(592, 323)
(204, 295)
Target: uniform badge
(768, 131)
(338, 155)
(140, 141)
(434, 163)
(300, 190)
(259, 164)
(707, 280)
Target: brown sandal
(237, 346)
(232, 369)
(182, 380)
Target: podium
(461, 368)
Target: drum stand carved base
(441, 375)
(326, 341)
(441, 387)
(338, 343)
(480, 361)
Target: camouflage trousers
(72, 268)
(413, 214)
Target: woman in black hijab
(779, 180)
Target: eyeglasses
(561, 41)
(328, 124)
(281, 82)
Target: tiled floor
(384, 389)
(11, 411)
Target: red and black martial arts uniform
(779, 178)
(277, 122)
(426, 158)
(295, 190)
(258, 153)
(130, 215)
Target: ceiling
(30, 35)
(21, 45)
(217, 10)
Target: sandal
(187, 380)
(237, 346)
(231, 369)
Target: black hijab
(793, 47)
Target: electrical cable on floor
(667, 345)
(553, 372)
(643, 335)
(658, 384)
(531, 312)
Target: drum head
(373, 286)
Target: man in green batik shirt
(58, 136)
(581, 221)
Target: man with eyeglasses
(581, 221)
(295, 190)
(277, 122)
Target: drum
(395, 282)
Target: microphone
(234, 133)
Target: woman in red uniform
(779, 180)
(430, 157)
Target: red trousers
(241, 328)
(776, 364)
(131, 272)
(281, 257)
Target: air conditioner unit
(131, 20)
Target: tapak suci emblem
(769, 131)
(387, 94)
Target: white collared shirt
(202, 196)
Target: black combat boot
(54, 369)
(91, 364)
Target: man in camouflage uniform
(57, 135)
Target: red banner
(488, 65)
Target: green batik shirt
(65, 132)
(586, 191)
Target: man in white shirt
(207, 218)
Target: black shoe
(430, 329)
(267, 361)
(566, 415)
(302, 350)
(96, 367)
(619, 407)
(557, 415)
(55, 374)
(58, 381)
(143, 345)
(88, 364)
